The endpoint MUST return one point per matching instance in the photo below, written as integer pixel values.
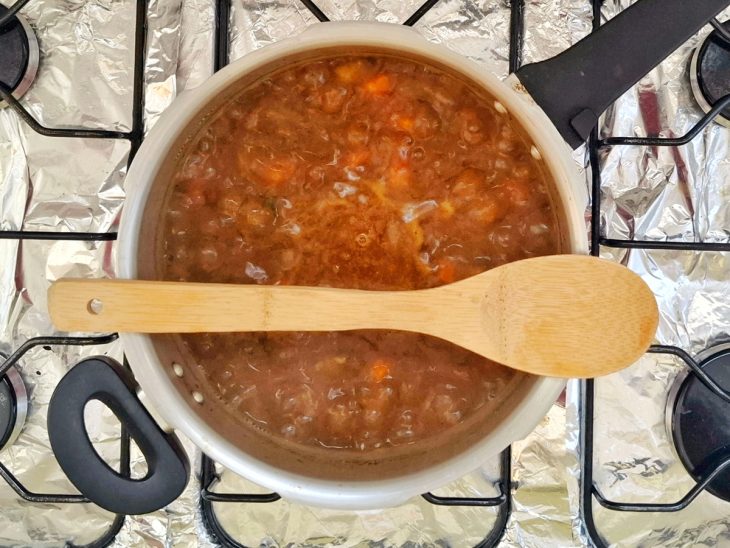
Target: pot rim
(178, 412)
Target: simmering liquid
(359, 171)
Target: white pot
(180, 409)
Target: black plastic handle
(101, 378)
(575, 87)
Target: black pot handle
(101, 378)
(575, 87)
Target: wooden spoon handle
(173, 307)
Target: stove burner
(18, 55)
(699, 421)
(13, 407)
(710, 73)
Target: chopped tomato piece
(446, 271)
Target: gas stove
(636, 458)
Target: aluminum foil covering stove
(85, 80)
(659, 194)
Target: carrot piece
(379, 85)
(446, 271)
(349, 72)
(404, 122)
(379, 370)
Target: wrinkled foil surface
(85, 80)
(659, 194)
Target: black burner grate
(588, 488)
(134, 136)
(710, 70)
(14, 53)
(208, 475)
(700, 429)
(47, 343)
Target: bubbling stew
(357, 171)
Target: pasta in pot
(359, 171)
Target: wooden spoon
(559, 316)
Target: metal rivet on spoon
(94, 306)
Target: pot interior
(309, 461)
